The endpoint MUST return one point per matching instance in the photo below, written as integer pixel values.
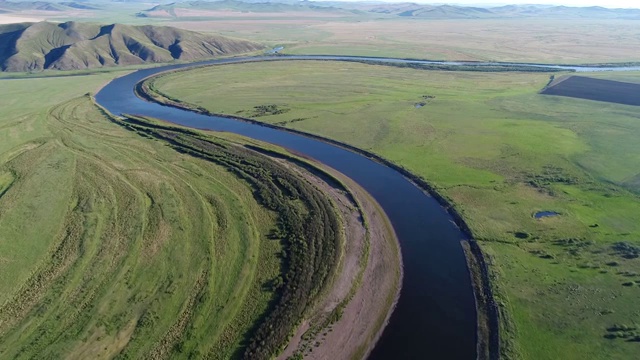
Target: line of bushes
(310, 233)
(466, 67)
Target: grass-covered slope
(500, 152)
(73, 45)
(131, 238)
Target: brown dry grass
(524, 40)
(506, 40)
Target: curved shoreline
(360, 214)
(488, 341)
(320, 330)
(622, 65)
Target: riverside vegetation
(499, 152)
(124, 237)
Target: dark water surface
(542, 214)
(435, 317)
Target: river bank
(488, 338)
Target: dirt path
(366, 286)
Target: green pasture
(500, 152)
(112, 244)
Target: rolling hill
(74, 45)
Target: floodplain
(500, 152)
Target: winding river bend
(435, 316)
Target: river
(435, 316)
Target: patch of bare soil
(366, 285)
(12, 19)
(582, 87)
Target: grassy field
(114, 244)
(500, 152)
(574, 41)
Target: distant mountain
(508, 11)
(12, 6)
(448, 12)
(73, 45)
(80, 5)
(214, 8)
(9, 6)
(407, 9)
(190, 8)
(565, 12)
(393, 8)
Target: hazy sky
(604, 3)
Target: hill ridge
(75, 45)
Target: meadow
(500, 152)
(129, 237)
(109, 241)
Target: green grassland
(499, 152)
(123, 238)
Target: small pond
(543, 214)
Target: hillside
(73, 45)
